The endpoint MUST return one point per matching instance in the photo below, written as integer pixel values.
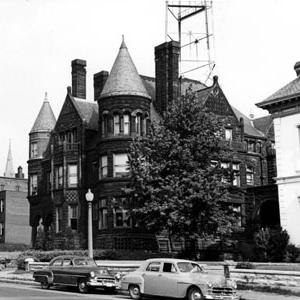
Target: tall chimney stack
(99, 81)
(79, 78)
(166, 74)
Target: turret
(40, 132)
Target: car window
(67, 262)
(196, 268)
(188, 267)
(57, 262)
(84, 262)
(169, 267)
(153, 267)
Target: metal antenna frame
(181, 11)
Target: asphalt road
(10, 291)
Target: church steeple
(124, 78)
(9, 170)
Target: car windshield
(84, 262)
(188, 267)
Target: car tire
(45, 285)
(82, 286)
(135, 292)
(194, 294)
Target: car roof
(165, 259)
(70, 257)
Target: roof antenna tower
(190, 23)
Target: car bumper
(222, 297)
(99, 284)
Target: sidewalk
(11, 275)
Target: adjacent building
(284, 106)
(87, 147)
(14, 207)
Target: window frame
(228, 137)
(73, 215)
(72, 175)
(123, 166)
(59, 177)
(33, 185)
(249, 171)
(33, 150)
(102, 167)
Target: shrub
(277, 247)
(292, 253)
(271, 245)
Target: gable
(68, 117)
(217, 103)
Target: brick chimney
(20, 174)
(79, 78)
(99, 81)
(166, 74)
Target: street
(10, 291)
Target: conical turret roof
(124, 78)
(45, 120)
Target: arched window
(126, 125)
(116, 124)
(104, 125)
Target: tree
(177, 183)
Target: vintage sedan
(177, 279)
(78, 271)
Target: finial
(46, 97)
(123, 45)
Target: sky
(256, 45)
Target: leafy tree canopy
(177, 183)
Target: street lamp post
(89, 196)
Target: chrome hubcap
(196, 296)
(135, 291)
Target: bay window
(58, 177)
(103, 167)
(33, 185)
(120, 165)
(72, 175)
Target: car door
(151, 277)
(67, 273)
(56, 268)
(168, 280)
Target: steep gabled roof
(88, 111)
(124, 78)
(249, 128)
(45, 120)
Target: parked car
(177, 279)
(78, 271)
